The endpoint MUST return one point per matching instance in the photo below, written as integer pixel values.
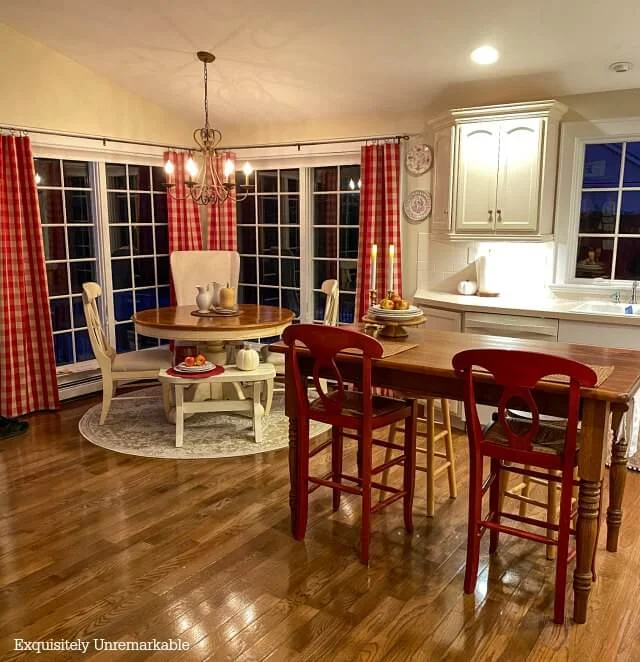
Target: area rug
(137, 426)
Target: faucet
(634, 296)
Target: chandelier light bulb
(191, 167)
(169, 168)
(247, 168)
(38, 179)
(229, 168)
(352, 185)
(359, 183)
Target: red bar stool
(352, 410)
(512, 443)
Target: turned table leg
(617, 480)
(595, 429)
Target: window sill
(604, 289)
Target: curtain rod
(124, 141)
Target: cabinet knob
(490, 212)
(499, 215)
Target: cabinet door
(442, 143)
(477, 177)
(517, 199)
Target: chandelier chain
(206, 97)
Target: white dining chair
(130, 366)
(192, 268)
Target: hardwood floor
(100, 545)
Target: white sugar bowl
(467, 287)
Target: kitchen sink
(607, 308)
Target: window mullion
(102, 205)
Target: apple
(396, 298)
(386, 304)
(200, 359)
(403, 304)
(189, 361)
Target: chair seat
(276, 359)
(352, 404)
(142, 360)
(550, 437)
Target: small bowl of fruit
(197, 363)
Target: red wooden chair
(354, 410)
(511, 443)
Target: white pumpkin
(247, 359)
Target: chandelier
(204, 184)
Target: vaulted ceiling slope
(305, 62)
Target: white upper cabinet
(499, 180)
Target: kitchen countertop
(552, 308)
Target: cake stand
(393, 328)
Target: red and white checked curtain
(379, 220)
(185, 232)
(27, 364)
(222, 218)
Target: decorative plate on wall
(419, 159)
(417, 206)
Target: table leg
(593, 447)
(179, 389)
(215, 352)
(617, 480)
(257, 412)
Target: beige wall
(41, 88)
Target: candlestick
(392, 252)
(374, 262)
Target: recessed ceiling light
(485, 55)
(621, 67)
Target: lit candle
(228, 169)
(392, 252)
(248, 170)
(374, 261)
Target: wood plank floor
(100, 545)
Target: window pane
(323, 270)
(162, 266)
(268, 209)
(290, 242)
(119, 239)
(60, 314)
(116, 176)
(349, 242)
(142, 236)
(63, 348)
(121, 274)
(247, 294)
(325, 209)
(79, 319)
(49, 171)
(291, 300)
(247, 240)
(146, 299)
(54, 243)
(630, 213)
(290, 273)
(125, 338)
(51, 210)
(160, 208)
(289, 181)
(594, 257)
(269, 271)
(268, 241)
(162, 239)
(76, 174)
(290, 209)
(144, 342)
(267, 181)
(84, 352)
(325, 242)
(57, 279)
(123, 306)
(139, 178)
(141, 208)
(80, 243)
(81, 272)
(349, 177)
(163, 297)
(602, 165)
(248, 271)
(632, 165)
(348, 272)
(628, 259)
(159, 178)
(350, 209)
(246, 211)
(269, 296)
(598, 212)
(347, 311)
(325, 179)
(118, 207)
(144, 272)
(79, 206)
(318, 306)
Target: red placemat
(218, 370)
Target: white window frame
(574, 138)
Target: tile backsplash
(522, 267)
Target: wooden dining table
(425, 370)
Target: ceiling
(280, 61)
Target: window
(336, 208)
(609, 224)
(138, 244)
(269, 240)
(68, 217)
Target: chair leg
(473, 525)
(431, 433)
(552, 514)
(526, 492)
(302, 471)
(179, 415)
(449, 452)
(336, 463)
(409, 476)
(595, 544)
(107, 394)
(494, 503)
(387, 457)
(563, 547)
(365, 530)
(269, 397)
